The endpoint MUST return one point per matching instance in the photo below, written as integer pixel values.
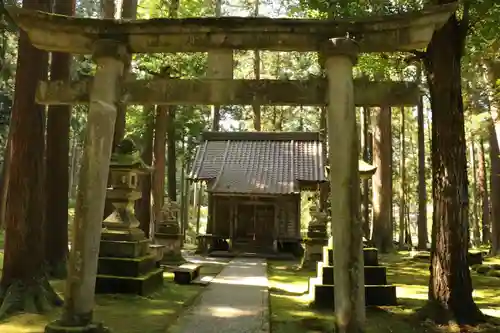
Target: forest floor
(123, 313)
(291, 313)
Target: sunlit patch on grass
(121, 313)
(291, 312)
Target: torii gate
(110, 42)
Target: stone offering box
(377, 291)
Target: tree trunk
(366, 185)
(324, 188)
(24, 285)
(402, 204)
(475, 219)
(495, 191)
(171, 158)
(493, 90)
(72, 165)
(382, 181)
(159, 159)
(129, 11)
(422, 191)
(450, 284)
(483, 193)
(143, 205)
(5, 178)
(57, 160)
(108, 9)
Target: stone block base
(126, 266)
(474, 258)
(58, 327)
(124, 249)
(171, 247)
(312, 254)
(324, 295)
(142, 285)
(370, 256)
(374, 275)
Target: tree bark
(495, 191)
(324, 188)
(422, 232)
(171, 158)
(475, 218)
(159, 159)
(257, 122)
(483, 193)
(402, 204)
(5, 178)
(143, 205)
(366, 185)
(382, 181)
(450, 284)
(108, 9)
(57, 162)
(24, 285)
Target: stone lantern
(168, 233)
(126, 264)
(317, 237)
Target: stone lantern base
(126, 265)
(58, 327)
(172, 247)
(313, 252)
(168, 234)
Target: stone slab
(370, 256)
(132, 267)
(323, 296)
(143, 285)
(374, 275)
(58, 327)
(124, 249)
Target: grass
(291, 313)
(124, 313)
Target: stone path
(236, 301)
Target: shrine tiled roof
(259, 162)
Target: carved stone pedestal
(168, 233)
(126, 264)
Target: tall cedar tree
(450, 285)
(57, 161)
(24, 285)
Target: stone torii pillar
(109, 56)
(340, 56)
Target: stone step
(142, 285)
(374, 275)
(323, 296)
(131, 267)
(124, 249)
(370, 256)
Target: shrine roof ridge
(261, 136)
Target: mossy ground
(290, 311)
(123, 313)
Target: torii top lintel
(388, 33)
